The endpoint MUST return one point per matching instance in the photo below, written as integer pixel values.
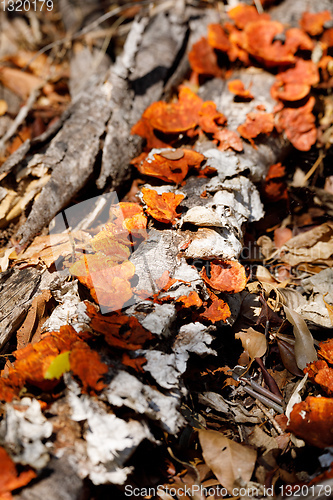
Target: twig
(21, 116)
(270, 417)
(313, 168)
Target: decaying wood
(135, 81)
(20, 286)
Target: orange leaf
(162, 206)
(312, 420)
(228, 139)
(313, 23)
(217, 311)
(243, 14)
(326, 350)
(226, 276)
(135, 363)
(119, 330)
(299, 125)
(217, 38)
(192, 299)
(255, 124)
(237, 88)
(108, 283)
(322, 374)
(203, 59)
(9, 479)
(275, 189)
(87, 366)
(171, 170)
(295, 83)
(210, 118)
(259, 42)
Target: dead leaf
(20, 82)
(255, 124)
(237, 87)
(312, 420)
(203, 59)
(162, 206)
(231, 462)
(87, 366)
(30, 330)
(304, 349)
(10, 479)
(313, 23)
(226, 276)
(3, 107)
(254, 343)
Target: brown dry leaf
(304, 349)
(31, 329)
(230, 461)
(49, 248)
(315, 246)
(20, 82)
(3, 107)
(237, 87)
(254, 343)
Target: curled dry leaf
(313, 23)
(312, 420)
(254, 343)
(10, 479)
(244, 14)
(108, 283)
(210, 118)
(203, 59)
(228, 139)
(170, 118)
(162, 206)
(119, 330)
(230, 461)
(295, 83)
(171, 169)
(255, 124)
(304, 349)
(226, 276)
(217, 311)
(299, 125)
(322, 374)
(237, 87)
(86, 364)
(275, 187)
(326, 350)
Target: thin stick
(270, 417)
(21, 116)
(313, 168)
